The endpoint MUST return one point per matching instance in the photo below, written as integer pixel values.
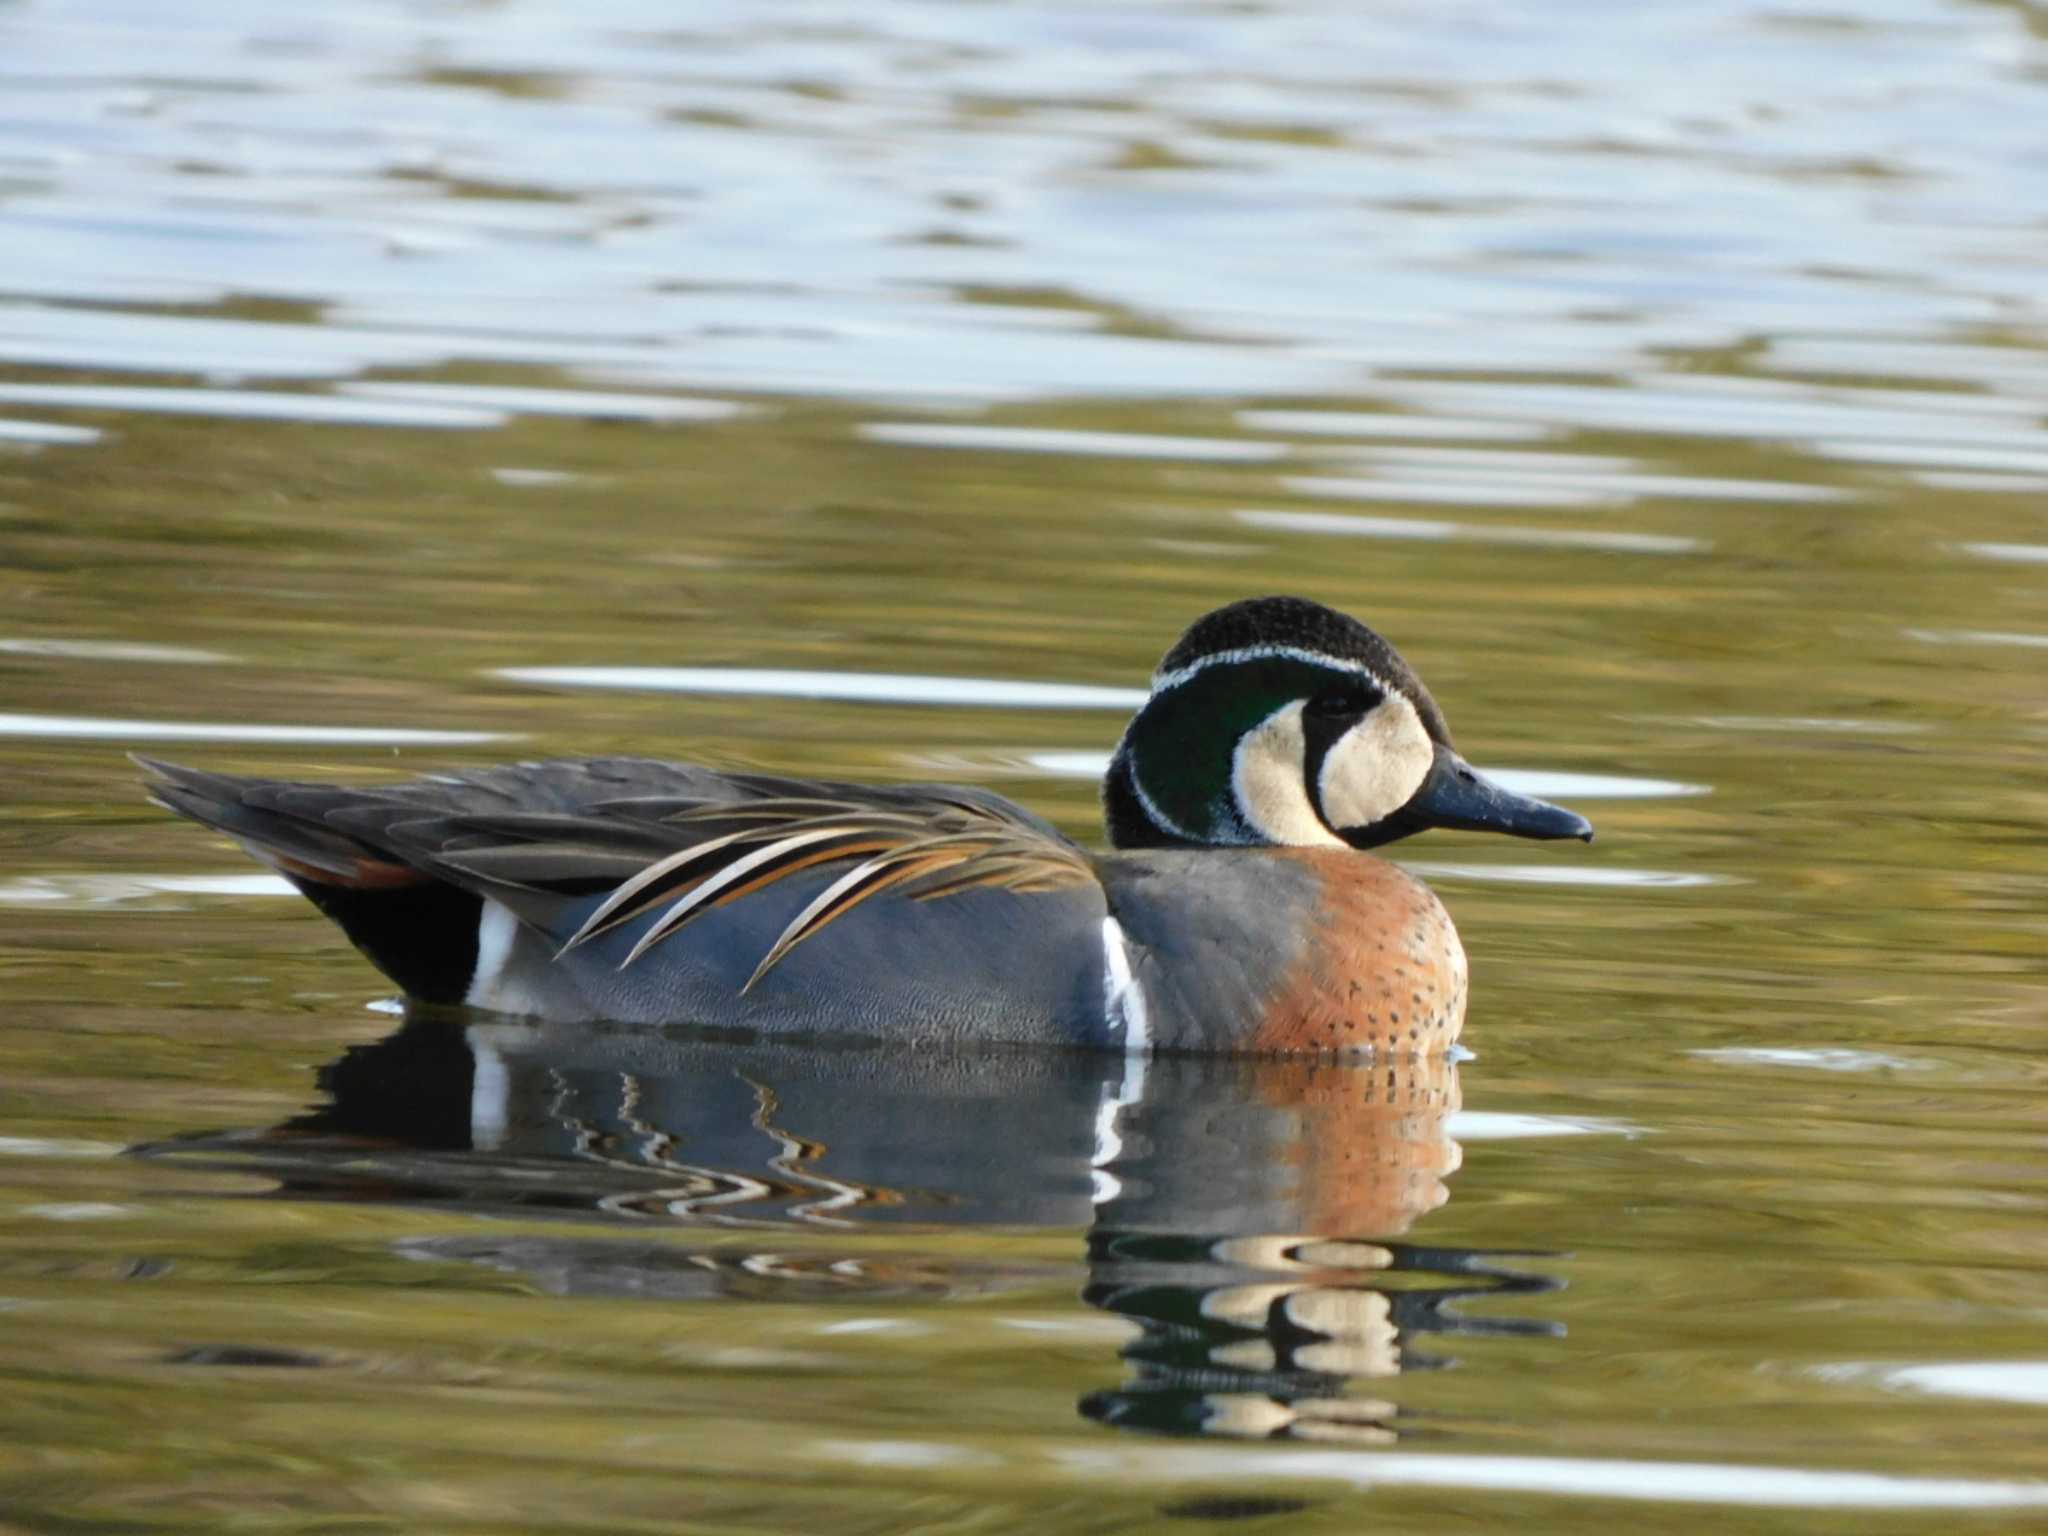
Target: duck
(1238, 908)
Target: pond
(874, 393)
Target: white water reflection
(2018, 369)
(2016, 554)
(543, 479)
(1500, 1125)
(1429, 530)
(1026, 200)
(64, 1150)
(1979, 637)
(2022, 459)
(1452, 491)
(590, 404)
(205, 345)
(1112, 445)
(1561, 874)
(1549, 783)
(250, 405)
(111, 650)
(92, 728)
(2001, 1381)
(1758, 410)
(1714, 1483)
(1390, 424)
(1068, 765)
(934, 365)
(39, 434)
(1813, 1058)
(1590, 478)
(69, 891)
(860, 687)
(1486, 463)
(82, 1210)
(1991, 483)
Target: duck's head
(1279, 721)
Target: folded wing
(677, 840)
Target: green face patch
(1183, 743)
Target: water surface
(875, 394)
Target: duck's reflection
(1270, 1337)
(1244, 1215)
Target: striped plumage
(1280, 737)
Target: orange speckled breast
(1382, 968)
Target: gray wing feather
(542, 837)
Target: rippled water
(874, 391)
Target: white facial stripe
(1375, 767)
(1161, 681)
(1269, 772)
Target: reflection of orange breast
(1371, 1148)
(1382, 969)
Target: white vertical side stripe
(1123, 1000)
(1124, 1008)
(495, 931)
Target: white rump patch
(1375, 767)
(495, 931)
(1269, 775)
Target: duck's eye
(1341, 703)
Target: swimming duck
(1236, 912)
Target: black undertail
(419, 931)
(423, 937)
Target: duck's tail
(415, 927)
